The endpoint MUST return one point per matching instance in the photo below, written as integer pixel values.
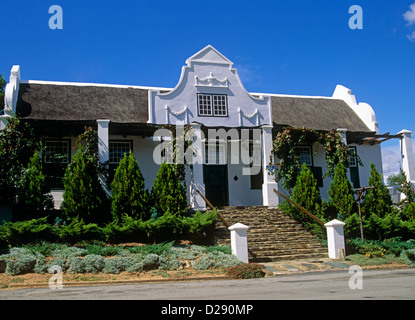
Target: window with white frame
(304, 152)
(212, 105)
(117, 149)
(215, 153)
(56, 151)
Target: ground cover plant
(95, 258)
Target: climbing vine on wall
(284, 148)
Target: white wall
(181, 102)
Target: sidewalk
(317, 265)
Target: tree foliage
(129, 195)
(168, 193)
(341, 193)
(83, 195)
(378, 200)
(34, 193)
(17, 144)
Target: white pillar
(103, 140)
(269, 198)
(335, 238)
(342, 132)
(239, 241)
(408, 163)
(196, 201)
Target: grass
(363, 260)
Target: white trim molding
(211, 81)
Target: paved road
(381, 284)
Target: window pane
(56, 151)
(305, 155)
(205, 105)
(118, 149)
(219, 105)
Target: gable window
(212, 105)
(117, 150)
(56, 151)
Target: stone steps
(272, 234)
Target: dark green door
(216, 184)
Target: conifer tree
(341, 193)
(34, 194)
(378, 200)
(168, 193)
(83, 195)
(306, 194)
(128, 190)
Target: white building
(209, 95)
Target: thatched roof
(315, 113)
(123, 105)
(80, 103)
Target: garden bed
(100, 263)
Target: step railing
(226, 223)
(300, 207)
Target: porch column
(197, 183)
(408, 163)
(103, 140)
(269, 198)
(342, 132)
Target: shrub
(94, 263)
(117, 264)
(341, 193)
(128, 190)
(219, 260)
(306, 194)
(408, 256)
(33, 194)
(16, 233)
(20, 261)
(144, 263)
(169, 262)
(168, 194)
(158, 249)
(247, 271)
(83, 197)
(378, 200)
(17, 144)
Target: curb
(15, 286)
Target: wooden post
(360, 192)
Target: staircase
(272, 234)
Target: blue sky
(287, 47)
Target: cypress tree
(34, 194)
(306, 194)
(341, 193)
(378, 200)
(128, 190)
(168, 193)
(83, 196)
